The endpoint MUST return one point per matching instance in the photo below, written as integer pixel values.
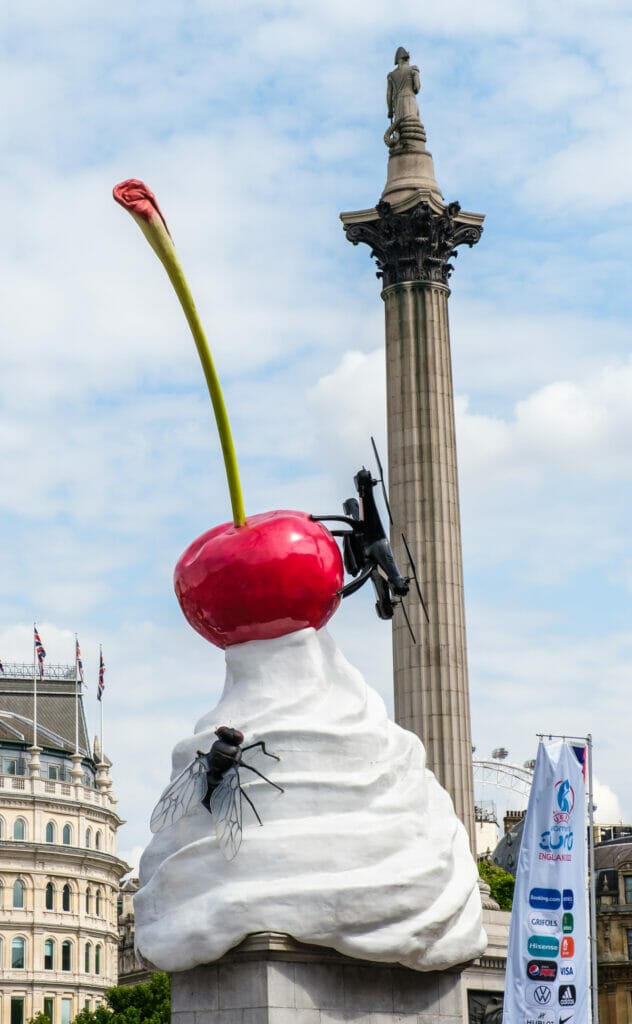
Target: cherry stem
(171, 264)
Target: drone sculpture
(367, 553)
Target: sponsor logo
(567, 899)
(568, 1019)
(567, 971)
(567, 948)
(566, 995)
(547, 921)
(542, 970)
(540, 995)
(543, 1017)
(557, 843)
(565, 800)
(543, 945)
(567, 923)
(545, 899)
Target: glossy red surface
(278, 573)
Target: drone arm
(355, 585)
(353, 523)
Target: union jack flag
(39, 651)
(101, 685)
(79, 661)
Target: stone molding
(415, 244)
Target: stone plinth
(270, 979)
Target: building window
(50, 832)
(1, 828)
(19, 829)
(65, 898)
(629, 935)
(97, 959)
(18, 948)
(88, 837)
(49, 1008)
(627, 888)
(66, 837)
(18, 894)
(66, 955)
(97, 903)
(97, 841)
(49, 955)
(50, 896)
(88, 900)
(87, 957)
(17, 1010)
(66, 1011)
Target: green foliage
(39, 1018)
(500, 882)
(148, 1003)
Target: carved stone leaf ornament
(416, 245)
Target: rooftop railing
(24, 670)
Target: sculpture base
(271, 979)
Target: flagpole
(101, 688)
(76, 694)
(592, 902)
(34, 689)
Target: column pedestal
(271, 979)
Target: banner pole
(592, 887)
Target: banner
(547, 960)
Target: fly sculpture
(213, 780)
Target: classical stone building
(59, 869)
(613, 866)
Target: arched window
(19, 829)
(18, 953)
(50, 896)
(1, 903)
(66, 955)
(49, 955)
(88, 837)
(97, 959)
(65, 897)
(97, 903)
(87, 958)
(88, 900)
(97, 841)
(66, 836)
(1, 828)
(50, 832)
(18, 894)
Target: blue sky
(256, 124)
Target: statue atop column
(405, 132)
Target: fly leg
(261, 776)
(244, 794)
(261, 744)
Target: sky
(256, 124)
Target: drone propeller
(379, 466)
(410, 628)
(414, 571)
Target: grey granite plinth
(270, 979)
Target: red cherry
(280, 572)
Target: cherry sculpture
(257, 577)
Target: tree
(148, 1003)
(500, 882)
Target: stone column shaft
(431, 681)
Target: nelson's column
(413, 235)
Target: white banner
(547, 962)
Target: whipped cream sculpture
(344, 838)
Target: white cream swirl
(362, 852)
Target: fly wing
(226, 809)
(186, 789)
